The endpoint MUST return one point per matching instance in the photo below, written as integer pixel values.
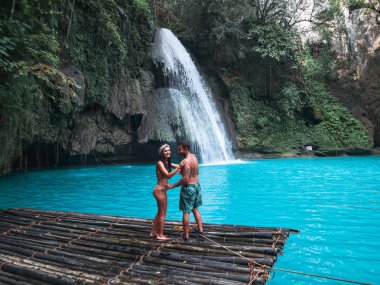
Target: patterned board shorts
(190, 197)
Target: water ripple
(335, 202)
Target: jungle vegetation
(278, 86)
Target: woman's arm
(181, 164)
(175, 165)
(167, 174)
(185, 178)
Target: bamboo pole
(53, 247)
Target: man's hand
(169, 186)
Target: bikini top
(159, 174)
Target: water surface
(335, 202)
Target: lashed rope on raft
(97, 249)
(86, 248)
(252, 263)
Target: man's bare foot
(162, 237)
(198, 231)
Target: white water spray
(196, 114)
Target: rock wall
(125, 127)
(132, 115)
(111, 130)
(356, 43)
(360, 47)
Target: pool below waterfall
(335, 202)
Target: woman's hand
(182, 164)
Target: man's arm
(185, 177)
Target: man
(191, 194)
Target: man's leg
(185, 223)
(198, 218)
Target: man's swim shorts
(190, 197)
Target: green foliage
(329, 12)
(290, 101)
(355, 3)
(305, 112)
(259, 26)
(31, 83)
(317, 63)
(368, 5)
(261, 127)
(6, 46)
(273, 41)
(266, 129)
(277, 86)
(116, 42)
(338, 129)
(37, 100)
(143, 5)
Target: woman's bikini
(161, 181)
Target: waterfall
(197, 114)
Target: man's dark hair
(184, 144)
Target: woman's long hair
(168, 165)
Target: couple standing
(190, 196)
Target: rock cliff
(101, 54)
(355, 39)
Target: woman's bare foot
(153, 234)
(163, 237)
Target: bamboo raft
(48, 247)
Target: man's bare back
(191, 192)
(191, 170)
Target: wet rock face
(125, 98)
(159, 124)
(363, 34)
(95, 131)
(106, 129)
(371, 94)
(363, 39)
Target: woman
(163, 172)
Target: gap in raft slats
(50, 247)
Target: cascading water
(197, 116)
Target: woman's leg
(161, 215)
(153, 232)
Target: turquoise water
(335, 202)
